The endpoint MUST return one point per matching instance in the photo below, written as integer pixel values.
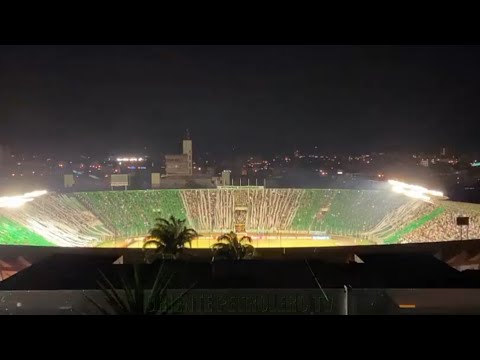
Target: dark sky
(258, 98)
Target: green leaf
(173, 303)
(128, 291)
(112, 293)
(98, 306)
(139, 291)
(156, 286)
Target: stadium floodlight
(35, 194)
(414, 191)
(13, 202)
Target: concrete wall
(264, 302)
(197, 302)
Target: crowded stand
(90, 219)
(132, 213)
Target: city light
(19, 200)
(132, 159)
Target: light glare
(13, 202)
(414, 191)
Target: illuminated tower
(187, 150)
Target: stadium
(274, 218)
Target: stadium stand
(345, 212)
(61, 220)
(353, 212)
(210, 210)
(12, 233)
(444, 227)
(132, 213)
(89, 219)
(272, 209)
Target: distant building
(424, 162)
(177, 165)
(180, 164)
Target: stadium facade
(273, 217)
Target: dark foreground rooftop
(81, 272)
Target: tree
(231, 248)
(132, 301)
(168, 237)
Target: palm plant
(133, 301)
(169, 236)
(231, 248)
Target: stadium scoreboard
(117, 180)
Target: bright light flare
(35, 194)
(414, 191)
(12, 202)
(132, 159)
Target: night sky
(260, 99)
